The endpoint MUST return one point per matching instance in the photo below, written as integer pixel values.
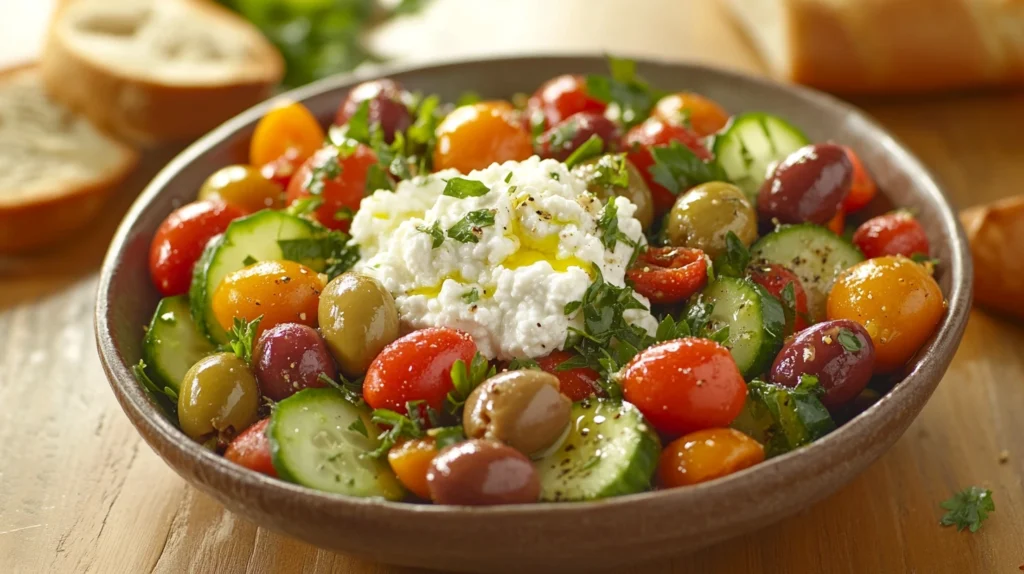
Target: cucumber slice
(252, 237)
(781, 418)
(312, 444)
(610, 450)
(815, 254)
(173, 342)
(755, 320)
(750, 144)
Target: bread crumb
(1004, 457)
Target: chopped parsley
(325, 168)
(471, 296)
(968, 508)
(249, 260)
(358, 125)
(242, 337)
(377, 178)
(561, 136)
(465, 379)
(435, 232)
(462, 188)
(519, 363)
(447, 436)
(589, 149)
(467, 98)
(508, 177)
(360, 427)
(788, 300)
(677, 168)
(344, 213)
(625, 91)
(150, 385)
(733, 263)
(351, 391)
(469, 229)
(611, 171)
(328, 251)
(305, 205)
(608, 226)
(400, 426)
(849, 340)
(554, 175)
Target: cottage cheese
(510, 289)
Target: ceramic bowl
(538, 537)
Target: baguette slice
(154, 71)
(56, 168)
(875, 46)
(996, 234)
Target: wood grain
(79, 492)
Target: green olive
(219, 398)
(243, 186)
(703, 217)
(596, 173)
(358, 318)
(523, 409)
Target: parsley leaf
(249, 260)
(810, 384)
(788, 300)
(626, 91)
(519, 363)
(464, 380)
(537, 123)
(377, 178)
(669, 329)
(720, 336)
(471, 296)
(447, 436)
(305, 205)
(677, 168)
(435, 232)
(608, 225)
(242, 337)
(968, 508)
(469, 229)
(422, 130)
(360, 427)
(733, 263)
(560, 137)
(329, 252)
(344, 213)
(508, 177)
(849, 340)
(358, 125)
(467, 98)
(325, 167)
(400, 426)
(612, 171)
(150, 385)
(590, 148)
(351, 391)
(462, 188)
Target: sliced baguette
(996, 234)
(56, 168)
(154, 71)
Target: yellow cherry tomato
(244, 187)
(705, 455)
(896, 300)
(289, 128)
(280, 291)
(477, 135)
(410, 460)
(704, 115)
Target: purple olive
(290, 357)
(482, 472)
(385, 106)
(840, 353)
(560, 141)
(808, 186)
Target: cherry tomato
(180, 239)
(289, 126)
(774, 278)
(410, 460)
(837, 224)
(384, 106)
(702, 114)
(416, 367)
(280, 291)
(244, 187)
(862, 189)
(282, 169)
(896, 233)
(577, 384)
(896, 300)
(685, 385)
(477, 135)
(706, 455)
(339, 178)
(669, 274)
(656, 132)
(560, 141)
(563, 96)
(251, 449)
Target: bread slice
(154, 71)
(865, 46)
(56, 168)
(996, 234)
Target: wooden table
(80, 491)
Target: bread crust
(49, 217)
(996, 234)
(146, 112)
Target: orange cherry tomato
(416, 367)
(251, 449)
(896, 300)
(244, 187)
(180, 240)
(289, 126)
(563, 96)
(339, 178)
(685, 385)
(706, 455)
(896, 233)
(477, 135)
(577, 384)
(704, 115)
(656, 132)
(280, 291)
(775, 278)
(410, 460)
(838, 223)
(669, 274)
(862, 187)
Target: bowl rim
(941, 347)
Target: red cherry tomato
(774, 278)
(577, 384)
(669, 274)
(416, 367)
(563, 96)
(560, 141)
(685, 385)
(282, 169)
(658, 133)
(180, 239)
(862, 188)
(896, 233)
(251, 449)
(341, 188)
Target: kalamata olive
(482, 472)
(290, 357)
(809, 185)
(561, 140)
(523, 409)
(703, 217)
(358, 318)
(243, 186)
(840, 353)
(219, 398)
(600, 174)
(385, 106)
